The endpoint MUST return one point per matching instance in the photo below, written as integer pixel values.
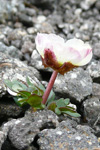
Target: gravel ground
(20, 21)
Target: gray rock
(16, 43)
(9, 8)
(65, 137)
(28, 38)
(46, 3)
(76, 84)
(9, 109)
(44, 27)
(16, 34)
(10, 50)
(13, 68)
(25, 19)
(97, 35)
(86, 4)
(5, 11)
(24, 130)
(66, 28)
(31, 30)
(97, 5)
(30, 11)
(96, 90)
(18, 25)
(4, 131)
(2, 138)
(96, 50)
(91, 110)
(94, 69)
(27, 47)
(41, 19)
(5, 29)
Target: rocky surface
(23, 131)
(67, 137)
(76, 84)
(19, 23)
(91, 109)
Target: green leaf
(70, 112)
(35, 101)
(19, 83)
(52, 106)
(16, 87)
(66, 101)
(20, 101)
(57, 111)
(29, 83)
(30, 89)
(60, 103)
(71, 108)
(40, 92)
(8, 83)
(51, 97)
(24, 93)
(41, 87)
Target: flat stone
(9, 109)
(94, 69)
(96, 50)
(10, 50)
(76, 84)
(16, 34)
(25, 19)
(98, 5)
(86, 4)
(64, 138)
(23, 131)
(4, 132)
(96, 90)
(27, 47)
(91, 110)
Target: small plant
(62, 57)
(27, 93)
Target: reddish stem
(49, 87)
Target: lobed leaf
(52, 106)
(35, 101)
(70, 112)
(57, 111)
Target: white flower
(60, 55)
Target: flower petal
(45, 41)
(86, 60)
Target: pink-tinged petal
(77, 50)
(75, 44)
(85, 60)
(78, 45)
(68, 54)
(43, 41)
